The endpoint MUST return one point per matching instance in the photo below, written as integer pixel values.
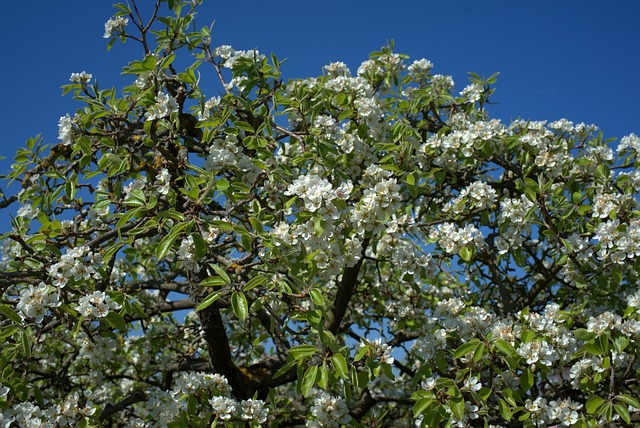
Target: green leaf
(308, 380)
(167, 242)
(165, 245)
(465, 348)
(508, 397)
(254, 282)
(593, 348)
(316, 297)
(314, 317)
(284, 369)
(622, 410)
(421, 405)
(526, 379)
(362, 379)
(527, 336)
(239, 305)
(149, 63)
(10, 314)
(70, 189)
(485, 393)
(221, 272)
(222, 184)
(593, 404)
(456, 404)
(504, 347)
(505, 410)
(583, 334)
(8, 331)
(621, 343)
(257, 226)
(116, 321)
(200, 245)
(209, 300)
(627, 399)
(302, 351)
(323, 376)
(479, 352)
(441, 361)
(172, 214)
(465, 253)
(340, 365)
(213, 281)
(26, 345)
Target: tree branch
(346, 288)
(110, 409)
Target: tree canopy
(358, 249)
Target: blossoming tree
(365, 249)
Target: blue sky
(572, 59)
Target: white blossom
(115, 26)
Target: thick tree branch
(346, 288)
(111, 409)
(218, 347)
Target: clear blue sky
(574, 59)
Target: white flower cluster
(326, 127)
(163, 407)
(470, 413)
(226, 408)
(77, 263)
(115, 26)
(462, 141)
(357, 86)
(164, 106)
(187, 254)
(65, 129)
(9, 250)
(370, 69)
(630, 143)
(318, 193)
(426, 346)
(381, 351)
(420, 67)
(96, 305)
(26, 211)
(163, 181)
(82, 77)
(380, 200)
(229, 55)
(538, 351)
(553, 346)
(616, 242)
(97, 216)
(633, 300)
(227, 152)
(328, 412)
(544, 412)
(96, 347)
(336, 69)
(408, 257)
(210, 104)
(513, 219)
(473, 92)
(478, 195)
(137, 184)
(374, 69)
(191, 382)
(441, 83)
(452, 238)
(35, 301)
(67, 412)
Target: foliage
(368, 250)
